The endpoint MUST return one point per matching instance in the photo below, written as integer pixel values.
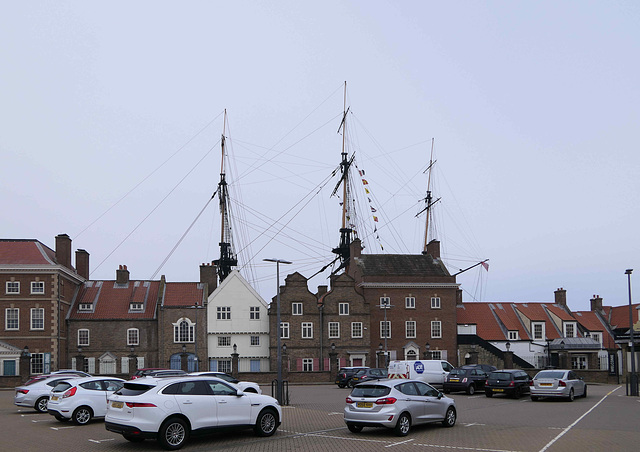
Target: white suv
(171, 409)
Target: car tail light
(349, 400)
(70, 392)
(530, 382)
(561, 383)
(486, 382)
(140, 405)
(386, 401)
(512, 384)
(23, 391)
(464, 380)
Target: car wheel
(354, 428)
(266, 423)
(488, 393)
(62, 418)
(173, 433)
(571, 395)
(134, 439)
(584, 394)
(450, 417)
(340, 386)
(471, 390)
(82, 415)
(403, 425)
(534, 398)
(41, 404)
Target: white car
(246, 386)
(172, 409)
(82, 399)
(557, 383)
(35, 392)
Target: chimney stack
(122, 275)
(63, 250)
(561, 297)
(433, 248)
(82, 263)
(596, 304)
(208, 275)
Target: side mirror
(440, 395)
(239, 393)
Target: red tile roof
(592, 322)
(25, 252)
(481, 315)
(619, 317)
(112, 301)
(183, 294)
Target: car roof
(165, 381)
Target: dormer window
(569, 329)
(85, 307)
(513, 335)
(136, 306)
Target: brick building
(38, 285)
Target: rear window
(550, 374)
(62, 386)
(133, 389)
(370, 391)
(500, 376)
(457, 372)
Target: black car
(345, 374)
(486, 367)
(466, 379)
(512, 382)
(368, 375)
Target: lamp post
(378, 353)
(548, 347)
(634, 381)
(427, 351)
(385, 329)
(279, 327)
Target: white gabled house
(237, 315)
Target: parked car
(246, 386)
(71, 372)
(82, 399)
(512, 382)
(368, 375)
(486, 367)
(431, 371)
(557, 383)
(148, 371)
(175, 408)
(345, 374)
(35, 392)
(397, 404)
(465, 379)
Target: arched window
(412, 355)
(184, 330)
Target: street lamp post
(634, 381)
(279, 330)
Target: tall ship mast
(228, 258)
(429, 202)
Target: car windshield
(370, 391)
(500, 376)
(550, 374)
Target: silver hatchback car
(397, 404)
(557, 383)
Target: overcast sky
(112, 114)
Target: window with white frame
(436, 354)
(343, 308)
(435, 303)
(569, 329)
(307, 330)
(37, 318)
(184, 331)
(13, 287)
(296, 308)
(410, 329)
(37, 287)
(284, 330)
(579, 362)
(513, 335)
(334, 330)
(385, 328)
(254, 313)
(385, 302)
(223, 312)
(597, 337)
(85, 307)
(224, 365)
(83, 337)
(37, 363)
(133, 336)
(538, 330)
(410, 302)
(224, 341)
(436, 329)
(307, 364)
(12, 319)
(356, 330)
(136, 306)
(255, 340)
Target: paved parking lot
(606, 420)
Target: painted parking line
(560, 435)
(401, 442)
(60, 428)
(101, 440)
(473, 449)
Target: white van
(432, 371)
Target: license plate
(364, 404)
(546, 384)
(454, 379)
(498, 390)
(54, 398)
(117, 404)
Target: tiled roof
(481, 315)
(620, 315)
(592, 322)
(400, 265)
(183, 294)
(25, 252)
(112, 301)
(561, 313)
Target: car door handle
(222, 401)
(187, 402)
